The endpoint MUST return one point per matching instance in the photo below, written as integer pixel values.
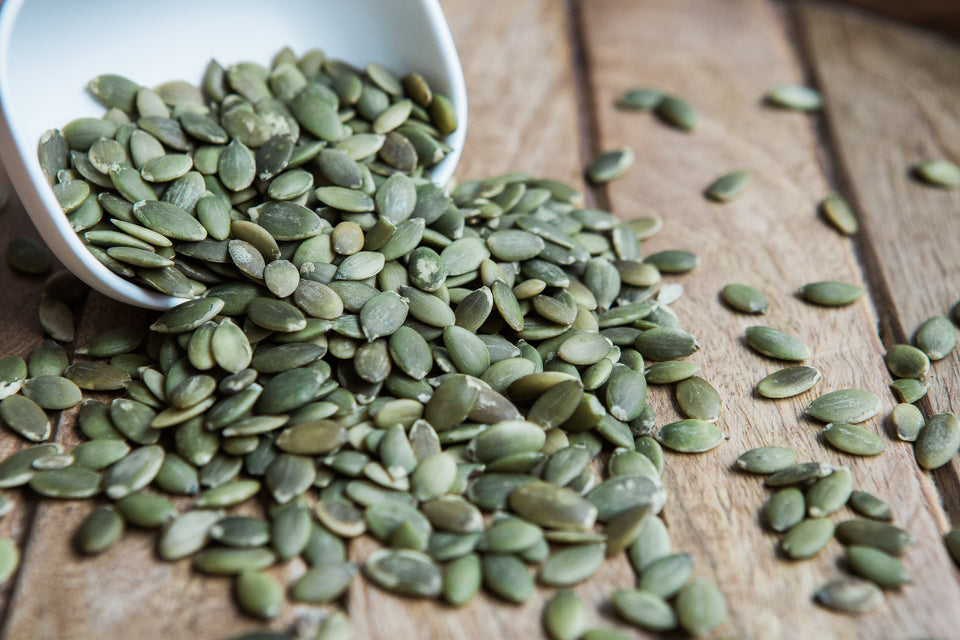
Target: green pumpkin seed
(868, 505)
(789, 382)
(785, 509)
(939, 173)
(616, 495)
(507, 577)
(99, 454)
(565, 616)
(134, 472)
(146, 510)
(259, 594)
(850, 595)
(666, 343)
(880, 568)
(700, 608)
(846, 405)
(698, 399)
(405, 572)
(572, 565)
(839, 214)
(56, 319)
(797, 473)
(832, 294)
(936, 443)
(610, 165)
(871, 533)
(99, 531)
(728, 187)
(644, 609)
(639, 99)
(168, 220)
(952, 540)
(854, 440)
(669, 371)
(828, 494)
(906, 361)
(9, 559)
(807, 538)
(744, 298)
(910, 390)
(690, 436)
(795, 97)
(908, 421)
(776, 344)
(550, 506)
(13, 371)
(25, 417)
(68, 483)
(667, 575)
(936, 337)
(461, 580)
(677, 112)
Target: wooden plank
(723, 57)
(522, 120)
(942, 15)
(891, 102)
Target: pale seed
(850, 595)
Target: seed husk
(846, 405)
(728, 186)
(936, 443)
(807, 538)
(850, 595)
(939, 173)
(880, 568)
(839, 214)
(881, 535)
(832, 293)
(700, 607)
(853, 439)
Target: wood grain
(771, 238)
(542, 77)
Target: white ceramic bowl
(50, 49)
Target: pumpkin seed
(880, 535)
(9, 559)
(850, 595)
(846, 405)
(610, 165)
(936, 443)
(807, 538)
(507, 577)
(700, 607)
(797, 473)
(789, 382)
(259, 594)
(908, 421)
(405, 572)
(776, 344)
(639, 99)
(880, 568)
(690, 436)
(795, 97)
(28, 255)
(68, 483)
(644, 609)
(855, 440)
(839, 214)
(744, 298)
(936, 337)
(828, 494)
(572, 565)
(99, 531)
(565, 616)
(939, 173)
(868, 505)
(729, 186)
(25, 417)
(832, 294)
(677, 112)
(785, 509)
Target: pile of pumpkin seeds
(370, 354)
(365, 353)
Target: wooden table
(542, 77)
